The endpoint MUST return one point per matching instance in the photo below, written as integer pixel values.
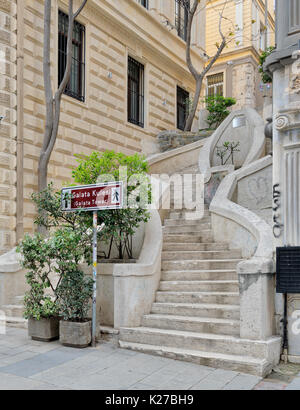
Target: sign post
(98, 197)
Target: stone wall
(100, 122)
(174, 139)
(8, 91)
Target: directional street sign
(108, 195)
(98, 197)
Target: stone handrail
(255, 275)
(224, 206)
(257, 136)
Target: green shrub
(120, 225)
(217, 107)
(266, 78)
(67, 245)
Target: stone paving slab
(32, 365)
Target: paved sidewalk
(32, 365)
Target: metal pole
(94, 313)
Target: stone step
(199, 275)
(208, 264)
(188, 238)
(192, 324)
(196, 309)
(200, 286)
(199, 228)
(203, 342)
(187, 214)
(209, 246)
(224, 298)
(244, 364)
(14, 316)
(14, 310)
(201, 255)
(180, 222)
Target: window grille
(135, 92)
(181, 17)
(215, 85)
(76, 84)
(144, 3)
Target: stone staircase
(195, 316)
(14, 313)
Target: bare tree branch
(53, 104)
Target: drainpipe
(20, 120)
(266, 24)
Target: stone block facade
(8, 111)
(113, 32)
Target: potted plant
(74, 294)
(41, 308)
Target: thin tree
(53, 100)
(199, 76)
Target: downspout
(20, 121)
(266, 24)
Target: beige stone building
(128, 82)
(235, 74)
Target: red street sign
(108, 195)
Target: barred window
(144, 3)
(215, 84)
(135, 92)
(182, 107)
(76, 84)
(181, 17)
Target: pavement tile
(294, 385)
(41, 362)
(243, 382)
(267, 385)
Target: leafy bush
(37, 255)
(266, 78)
(61, 252)
(217, 107)
(120, 225)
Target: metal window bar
(181, 17)
(215, 85)
(76, 85)
(144, 3)
(182, 107)
(135, 92)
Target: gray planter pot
(43, 330)
(75, 334)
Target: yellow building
(129, 81)
(235, 73)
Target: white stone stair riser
(199, 310)
(199, 275)
(199, 286)
(246, 364)
(203, 255)
(194, 341)
(199, 264)
(180, 222)
(188, 238)
(193, 324)
(205, 227)
(231, 298)
(195, 246)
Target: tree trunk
(192, 113)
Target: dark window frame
(136, 92)
(181, 19)
(144, 3)
(76, 85)
(182, 97)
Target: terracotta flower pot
(75, 334)
(43, 330)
